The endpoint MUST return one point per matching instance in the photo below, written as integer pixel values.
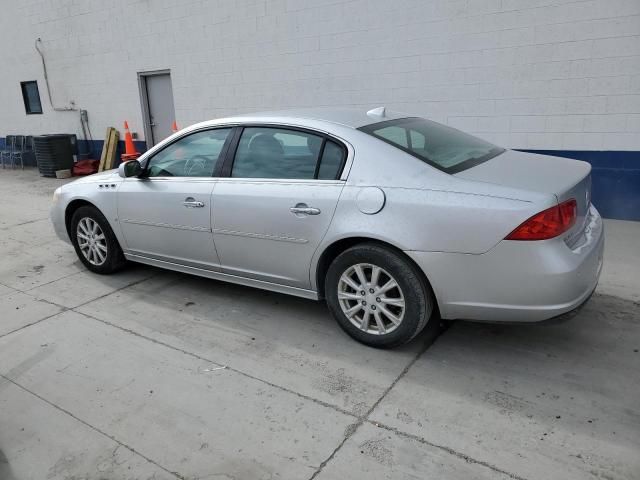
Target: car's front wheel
(95, 243)
(378, 297)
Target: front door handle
(191, 202)
(304, 209)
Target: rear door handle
(191, 202)
(304, 209)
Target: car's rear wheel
(95, 243)
(378, 297)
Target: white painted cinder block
(547, 74)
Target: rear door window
(333, 157)
(268, 152)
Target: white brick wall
(546, 74)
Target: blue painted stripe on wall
(615, 175)
(93, 149)
(615, 180)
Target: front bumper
(517, 281)
(56, 214)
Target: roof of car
(350, 117)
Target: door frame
(144, 103)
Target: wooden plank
(113, 150)
(105, 147)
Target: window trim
(25, 98)
(369, 129)
(227, 168)
(216, 169)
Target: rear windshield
(443, 147)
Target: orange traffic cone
(174, 127)
(129, 147)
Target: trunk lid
(563, 177)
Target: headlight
(56, 195)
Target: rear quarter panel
(430, 220)
(426, 209)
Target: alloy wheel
(371, 298)
(92, 241)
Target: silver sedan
(396, 221)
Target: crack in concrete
(94, 428)
(354, 427)
(444, 448)
(365, 418)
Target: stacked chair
(15, 147)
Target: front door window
(195, 155)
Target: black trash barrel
(54, 152)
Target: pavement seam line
(64, 309)
(227, 367)
(352, 428)
(51, 281)
(67, 412)
(35, 322)
(362, 419)
(8, 227)
(26, 292)
(7, 286)
(444, 448)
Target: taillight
(547, 224)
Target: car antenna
(377, 112)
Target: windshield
(443, 147)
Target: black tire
(419, 301)
(114, 260)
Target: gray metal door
(161, 113)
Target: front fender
(101, 193)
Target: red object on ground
(174, 127)
(86, 167)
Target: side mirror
(132, 168)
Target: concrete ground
(152, 374)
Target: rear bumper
(564, 317)
(517, 281)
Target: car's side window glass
(265, 152)
(331, 162)
(268, 152)
(195, 155)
